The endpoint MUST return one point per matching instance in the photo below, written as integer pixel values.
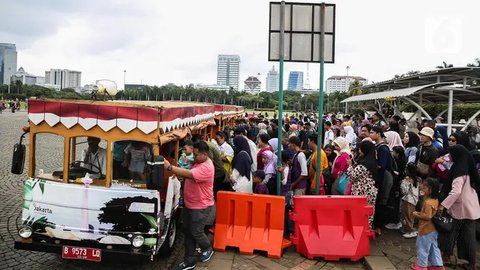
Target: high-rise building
(342, 83)
(63, 78)
(8, 62)
(272, 80)
(252, 85)
(228, 70)
(295, 80)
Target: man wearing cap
(427, 152)
(95, 157)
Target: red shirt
(198, 192)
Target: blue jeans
(428, 251)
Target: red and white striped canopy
(126, 115)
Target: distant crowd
(410, 171)
(13, 105)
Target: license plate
(81, 253)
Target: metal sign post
(320, 100)
(301, 32)
(280, 95)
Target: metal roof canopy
(432, 87)
(453, 75)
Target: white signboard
(302, 32)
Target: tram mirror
(155, 180)
(18, 158)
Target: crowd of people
(13, 105)
(408, 171)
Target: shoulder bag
(423, 169)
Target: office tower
(342, 83)
(228, 68)
(272, 80)
(63, 78)
(295, 80)
(8, 62)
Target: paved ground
(398, 250)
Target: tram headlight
(137, 241)
(25, 232)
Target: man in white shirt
(95, 158)
(225, 149)
(329, 135)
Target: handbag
(443, 222)
(342, 183)
(348, 190)
(423, 169)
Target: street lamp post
(124, 76)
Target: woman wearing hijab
(363, 173)
(350, 136)
(242, 166)
(384, 180)
(327, 174)
(393, 139)
(274, 145)
(411, 142)
(269, 161)
(340, 164)
(462, 203)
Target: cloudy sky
(159, 42)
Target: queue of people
(408, 175)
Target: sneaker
(183, 266)
(417, 267)
(206, 256)
(410, 235)
(393, 226)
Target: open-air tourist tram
(92, 208)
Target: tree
(445, 65)
(355, 88)
(475, 64)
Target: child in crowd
(260, 187)
(269, 161)
(427, 245)
(186, 160)
(410, 191)
(136, 156)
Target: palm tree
(445, 65)
(476, 64)
(355, 88)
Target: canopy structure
(147, 116)
(452, 85)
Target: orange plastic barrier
(249, 222)
(332, 227)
